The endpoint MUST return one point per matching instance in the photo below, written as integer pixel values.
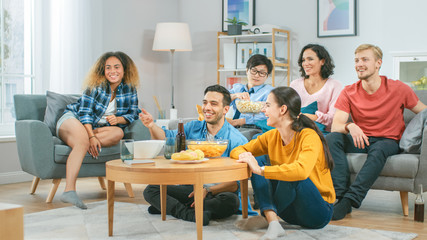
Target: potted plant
(235, 26)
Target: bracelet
(262, 170)
(92, 137)
(346, 126)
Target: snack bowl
(147, 148)
(213, 148)
(245, 106)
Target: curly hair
(327, 68)
(96, 75)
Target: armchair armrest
(421, 177)
(35, 147)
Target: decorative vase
(234, 29)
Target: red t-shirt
(379, 114)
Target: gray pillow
(56, 104)
(412, 136)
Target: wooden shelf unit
(254, 38)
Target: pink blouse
(325, 97)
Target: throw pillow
(56, 104)
(412, 136)
(311, 109)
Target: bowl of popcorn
(213, 148)
(245, 106)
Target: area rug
(132, 221)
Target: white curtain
(75, 42)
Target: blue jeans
(378, 151)
(298, 202)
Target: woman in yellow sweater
(297, 185)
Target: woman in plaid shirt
(96, 120)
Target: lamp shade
(172, 36)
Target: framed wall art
(243, 10)
(336, 18)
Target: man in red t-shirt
(376, 106)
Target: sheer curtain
(75, 42)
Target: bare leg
(75, 136)
(109, 136)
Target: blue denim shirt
(93, 104)
(260, 94)
(198, 130)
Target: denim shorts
(61, 120)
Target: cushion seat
(107, 154)
(400, 165)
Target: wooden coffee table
(164, 173)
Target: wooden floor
(380, 210)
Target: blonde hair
(375, 49)
(96, 75)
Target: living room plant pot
(234, 29)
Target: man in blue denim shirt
(221, 200)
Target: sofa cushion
(399, 165)
(107, 154)
(412, 136)
(56, 104)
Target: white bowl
(147, 148)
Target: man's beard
(215, 120)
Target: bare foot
(253, 223)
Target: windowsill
(10, 138)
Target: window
(16, 57)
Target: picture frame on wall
(243, 10)
(336, 18)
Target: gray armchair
(402, 172)
(43, 155)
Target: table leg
(198, 200)
(163, 193)
(110, 201)
(244, 195)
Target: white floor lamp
(172, 36)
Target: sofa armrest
(137, 131)
(421, 177)
(35, 147)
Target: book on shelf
(235, 79)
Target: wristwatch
(208, 189)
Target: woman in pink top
(316, 66)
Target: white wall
(387, 23)
(129, 25)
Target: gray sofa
(402, 172)
(43, 155)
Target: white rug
(132, 221)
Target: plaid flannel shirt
(93, 104)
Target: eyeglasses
(253, 71)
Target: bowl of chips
(245, 106)
(213, 148)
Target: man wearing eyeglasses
(258, 68)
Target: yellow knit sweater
(302, 158)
